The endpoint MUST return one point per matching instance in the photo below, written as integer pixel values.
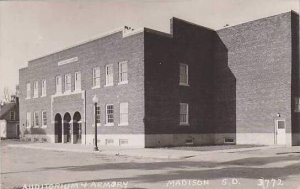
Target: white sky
(31, 29)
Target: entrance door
(77, 128)
(280, 133)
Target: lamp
(95, 101)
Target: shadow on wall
(224, 95)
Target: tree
(6, 94)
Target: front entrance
(280, 132)
(77, 130)
(67, 128)
(57, 129)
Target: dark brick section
(189, 44)
(295, 71)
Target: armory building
(195, 85)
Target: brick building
(195, 85)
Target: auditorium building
(192, 86)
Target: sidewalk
(160, 153)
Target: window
(44, 119)
(109, 141)
(124, 113)
(68, 83)
(123, 72)
(35, 89)
(77, 81)
(28, 90)
(44, 86)
(123, 142)
(297, 104)
(36, 119)
(98, 115)
(28, 119)
(184, 80)
(12, 115)
(58, 84)
(109, 114)
(109, 75)
(184, 114)
(96, 77)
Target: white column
(62, 132)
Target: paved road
(268, 168)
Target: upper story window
(184, 114)
(44, 119)
(109, 114)
(184, 75)
(44, 87)
(96, 77)
(123, 76)
(28, 119)
(297, 104)
(109, 75)
(124, 113)
(58, 86)
(36, 119)
(68, 83)
(35, 89)
(28, 90)
(12, 115)
(77, 81)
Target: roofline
(102, 35)
(291, 11)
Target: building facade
(194, 86)
(9, 119)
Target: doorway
(77, 130)
(57, 128)
(67, 128)
(280, 132)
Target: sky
(31, 29)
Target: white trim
(67, 93)
(110, 66)
(96, 87)
(123, 82)
(109, 124)
(106, 115)
(123, 124)
(187, 114)
(67, 61)
(44, 88)
(44, 126)
(187, 74)
(77, 88)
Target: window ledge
(184, 124)
(184, 84)
(123, 82)
(109, 124)
(123, 124)
(43, 95)
(96, 87)
(44, 126)
(35, 97)
(27, 98)
(77, 90)
(109, 85)
(36, 127)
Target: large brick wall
(98, 53)
(253, 75)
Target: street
(36, 168)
